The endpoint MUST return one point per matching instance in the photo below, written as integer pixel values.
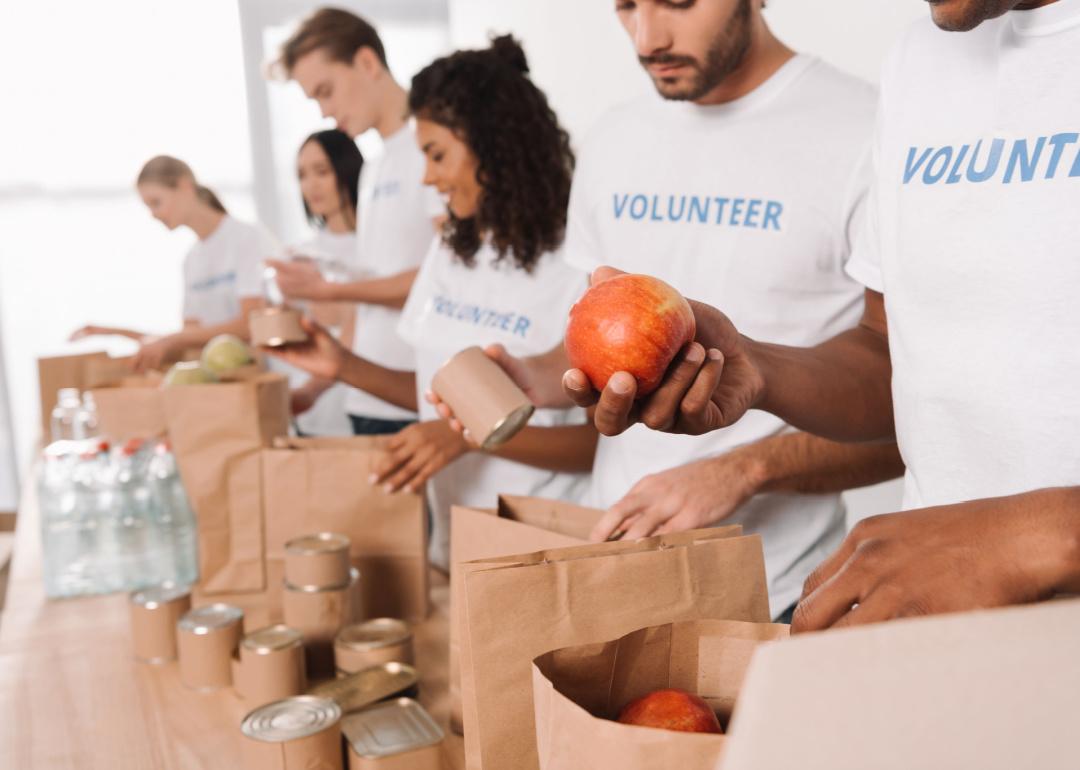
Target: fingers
(616, 405)
(603, 273)
(444, 411)
(578, 388)
(647, 523)
(662, 408)
(879, 606)
(614, 521)
(698, 412)
(830, 601)
(831, 565)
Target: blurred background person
(223, 270)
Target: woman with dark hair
(222, 270)
(495, 151)
(328, 169)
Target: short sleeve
(254, 249)
(412, 313)
(582, 245)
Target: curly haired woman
(496, 153)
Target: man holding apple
(966, 351)
(743, 186)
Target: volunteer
(328, 168)
(966, 351)
(222, 270)
(496, 274)
(339, 60)
(746, 188)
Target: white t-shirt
(452, 307)
(974, 239)
(750, 206)
(224, 268)
(327, 417)
(394, 233)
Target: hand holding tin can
(483, 397)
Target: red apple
(671, 710)
(629, 323)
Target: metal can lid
(153, 597)
(320, 542)
(271, 639)
(374, 634)
(508, 427)
(390, 728)
(290, 719)
(203, 620)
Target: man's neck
(393, 108)
(204, 221)
(766, 55)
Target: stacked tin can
(321, 595)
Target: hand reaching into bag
(417, 453)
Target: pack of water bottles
(113, 518)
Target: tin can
(317, 561)
(396, 735)
(271, 665)
(356, 691)
(298, 733)
(155, 612)
(484, 398)
(207, 638)
(318, 614)
(366, 644)
(276, 326)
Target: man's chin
(677, 89)
(962, 15)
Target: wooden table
(72, 696)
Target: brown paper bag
(217, 432)
(131, 408)
(519, 607)
(521, 525)
(578, 691)
(58, 372)
(315, 485)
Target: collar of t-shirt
(1048, 20)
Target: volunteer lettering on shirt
(750, 206)
(972, 237)
(1025, 160)
(224, 268)
(753, 213)
(452, 307)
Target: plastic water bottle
(175, 522)
(64, 569)
(63, 414)
(85, 422)
(133, 519)
(94, 506)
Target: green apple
(225, 353)
(189, 373)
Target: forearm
(840, 389)
(807, 464)
(197, 336)
(566, 448)
(391, 291)
(391, 385)
(316, 386)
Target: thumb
(603, 273)
(513, 366)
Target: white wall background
(581, 57)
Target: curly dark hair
(525, 163)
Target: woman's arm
(156, 353)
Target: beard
(725, 55)
(968, 14)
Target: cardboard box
(579, 691)
(993, 690)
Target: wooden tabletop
(72, 696)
